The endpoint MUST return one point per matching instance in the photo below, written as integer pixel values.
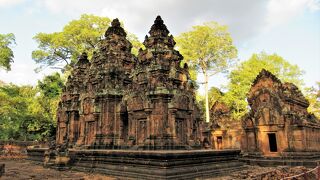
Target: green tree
(15, 115)
(28, 113)
(208, 49)
(214, 94)
(6, 53)
(136, 44)
(313, 96)
(61, 49)
(50, 88)
(243, 75)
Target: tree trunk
(206, 78)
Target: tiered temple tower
(161, 104)
(68, 114)
(107, 83)
(120, 101)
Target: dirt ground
(23, 170)
(269, 173)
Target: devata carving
(122, 101)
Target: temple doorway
(76, 130)
(125, 124)
(219, 142)
(272, 142)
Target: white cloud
(281, 11)
(314, 5)
(8, 3)
(18, 74)
(246, 20)
(23, 74)
(243, 17)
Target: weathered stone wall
(226, 139)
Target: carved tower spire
(115, 29)
(113, 62)
(159, 36)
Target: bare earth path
(23, 169)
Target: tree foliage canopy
(51, 85)
(214, 95)
(61, 49)
(313, 96)
(6, 53)
(243, 75)
(207, 49)
(28, 113)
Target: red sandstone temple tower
(161, 104)
(127, 102)
(278, 124)
(68, 114)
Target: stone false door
(74, 127)
(180, 126)
(141, 131)
(61, 132)
(90, 132)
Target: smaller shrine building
(278, 124)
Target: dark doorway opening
(125, 124)
(272, 142)
(219, 142)
(76, 116)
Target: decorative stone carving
(122, 101)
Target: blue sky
(290, 28)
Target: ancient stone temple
(278, 124)
(120, 101)
(95, 114)
(133, 116)
(225, 131)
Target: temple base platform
(307, 159)
(164, 164)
